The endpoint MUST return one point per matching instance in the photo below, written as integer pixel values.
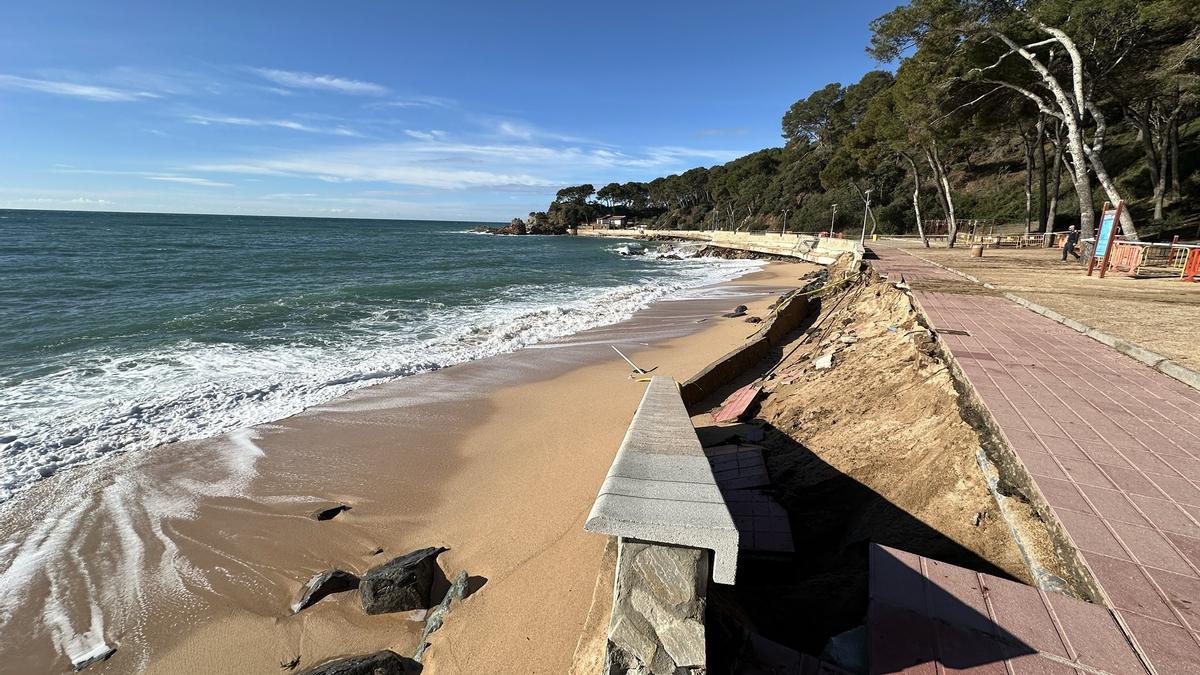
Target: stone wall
(788, 316)
(657, 624)
(821, 250)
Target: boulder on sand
(329, 512)
(401, 584)
(740, 310)
(385, 662)
(321, 585)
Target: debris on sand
(323, 584)
(329, 512)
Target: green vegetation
(1013, 111)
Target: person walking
(1071, 242)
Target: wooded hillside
(1017, 112)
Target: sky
(474, 111)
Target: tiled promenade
(1112, 444)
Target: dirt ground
(872, 449)
(1158, 314)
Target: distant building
(613, 222)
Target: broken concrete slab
(824, 361)
(738, 404)
(83, 655)
(661, 488)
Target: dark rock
(385, 662)
(740, 310)
(517, 226)
(437, 616)
(754, 319)
(321, 585)
(329, 513)
(401, 584)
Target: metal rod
(631, 363)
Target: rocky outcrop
(385, 662)
(401, 584)
(323, 584)
(517, 226)
(657, 622)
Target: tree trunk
(1043, 174)
(943, 183)
(1160, 185)
(1071, 111)
(1110, 188)
(1154, 148)
(917, 198)
(1052, 210)
(1029, 166)
(1176, 191)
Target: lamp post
(833, 219)
(862, 239)
(785, 212)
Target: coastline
(498, 459)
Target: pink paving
(1113, 445)
(926, 616)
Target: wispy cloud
(188, 180)
(74, 201)
(399, 164)
(732, 131)
(293, 125)
(161, 176)
(419, 102)
(430, 161)
(302, 80)
(90, 92)
(431, 135)
(524, 131)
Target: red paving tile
(926, 616)
(1113, 445)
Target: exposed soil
(873, 449)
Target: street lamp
(785, 212)
(867, 200)
(833, 219)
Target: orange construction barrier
(1191, 268)
(1125, 257)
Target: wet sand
(187, 558)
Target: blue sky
(449, 110)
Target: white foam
(105, 403)
(89, 595)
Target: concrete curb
(660, 487)
(1155, 360)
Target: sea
(127, 331)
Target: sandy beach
(187, 558)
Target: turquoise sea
(123, 331)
